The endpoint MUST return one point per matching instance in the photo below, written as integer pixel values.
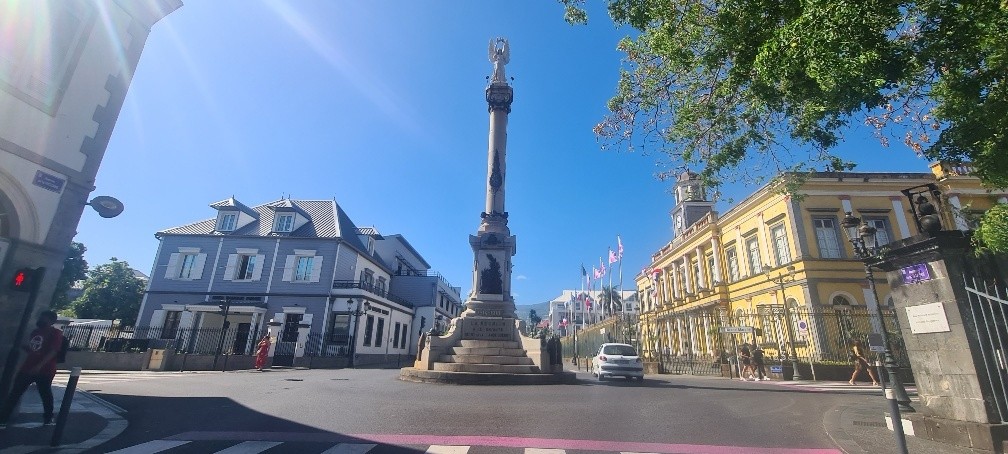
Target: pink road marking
(590, 445)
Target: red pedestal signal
(24, 280)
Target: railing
(430, 273)
(374, 290)
(988, 306)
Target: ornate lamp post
(780, 279)
(356, 311)
(862, 237)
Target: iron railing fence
(695, 341)
(374, 289)
(207, 341)
(987, 311)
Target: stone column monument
(485, 345)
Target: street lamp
(862, 237)
(780, 279)
(355, 310)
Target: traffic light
(25, 280)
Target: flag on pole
(619, 248)
(595, 273)
(601, 268)
(584, 272)
(612, 257)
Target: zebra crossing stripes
(250, 447)
(442, 449)
(350, 448)
(151, 447)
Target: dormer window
(226, 222)
(284, 223)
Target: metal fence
(987, 309)
(208, 341)
(698, 341)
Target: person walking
(262, 351)
(745, 357)
(758, 363)
(860, 362)
(39, 367)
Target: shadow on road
(218, 422)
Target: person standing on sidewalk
(745, 357)
(860, 362)
(262, 351)
(758, 363)
(39, 367)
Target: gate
(987, 304)
(283, 355)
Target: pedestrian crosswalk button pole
(65, 406)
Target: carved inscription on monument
(487, 329)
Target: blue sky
(380, 105)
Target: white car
(617, 360)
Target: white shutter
(197, 272)
(171, 272)
(229, 270)
(316, 272)
(257, 272)
(288, 272)
(157, 319)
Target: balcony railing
(428, 273)
(372, 289)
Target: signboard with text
(736, 329)
(915, 273)
(927, 318)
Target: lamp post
(862, 237)
(780, 279)
(356, 311)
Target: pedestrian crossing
(838, 387)
(104, 377)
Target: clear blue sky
(380, 105)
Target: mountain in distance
(522, 310)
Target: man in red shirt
(39, 367)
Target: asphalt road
(311, 410)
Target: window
(380, 335)
(246, 267)
(826, 237)
(405, 336)
(290, 329)
(840, 300)
(395, 336)
(755, 264)
(171, 323)
(368, 326)
(779, 237)
(697, 276)
(186, 266)
(227, 222)
(380, 288)
(714, 277)
(881, 225)
(732, 258)
(304, 268)
(284, 223)
(367, 279)
(339, 328)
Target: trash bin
(156, 359)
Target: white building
(571, 306)
(65, 67)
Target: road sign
(802, 327)
(736, 329)
(776, 370)
(875, 342)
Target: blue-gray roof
(325, 220)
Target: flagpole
(610, 286)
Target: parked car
(617, 360)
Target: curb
(115, 424)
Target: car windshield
(622, 350)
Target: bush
(993, 231)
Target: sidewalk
(91, 422)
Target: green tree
(534, 318)
(775, 84)
(611, 300)
(74, 269)
(111, 291)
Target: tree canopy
(111, 291)
(716, 85)
(74, 269)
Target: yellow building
(740, 268)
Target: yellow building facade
(783, 265)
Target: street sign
(802, 327)
(737, 329)
(875, 342)
(776, 370)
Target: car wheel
(600, 376)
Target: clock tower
(692, 203)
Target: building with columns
(65, 68)
(772, 250)
(570, 306)
(296, 269)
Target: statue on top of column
(499, 55)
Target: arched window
(841, 300)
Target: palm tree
(610, 299)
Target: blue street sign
(776, 370)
